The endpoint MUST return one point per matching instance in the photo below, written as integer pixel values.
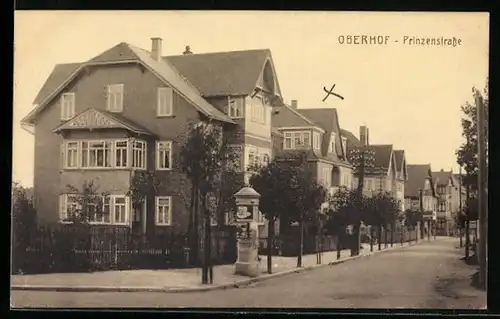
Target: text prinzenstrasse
(406, 40)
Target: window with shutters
(67, 106)
(115, 97)
(164, 101)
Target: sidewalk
(178, 280)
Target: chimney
(364, 135)
(294, 104)
(156, 48)
(188, 50)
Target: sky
(407, 95)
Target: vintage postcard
(250, 159)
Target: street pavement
(428, 275)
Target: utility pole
(482, 199)
(421, 206)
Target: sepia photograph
(250, 159)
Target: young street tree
(142, 184)
(203, 158)
(288, 192)
(343, 210)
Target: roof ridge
(170, 65)
(305, 118)
(219, 52)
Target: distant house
(448, 206)
(389, 170)
(129, 110)
(420, 179)
(317, 132)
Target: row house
(129, 110)
(448, 206)
(389, 170)
(421, 183)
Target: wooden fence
(74, 249)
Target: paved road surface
(429, 275)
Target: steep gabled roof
(400, 159)
(222, 73)
(417, 175)
(352, 140)
(443, 178)
(289, 117)
(123, 52)
(327, 119)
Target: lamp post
(361, 158)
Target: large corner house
(129, 110)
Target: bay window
(98, 154)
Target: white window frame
(235, 107)
(316, 141)
(302, 136)
(333, 143)
(126, 207)
(63, 209)
(114, 97)
(160, 158)
(96, 149)
(67, 106)
(63, 206)
(257, 104)
(120, 149)
(368, 184)
(139, 153)
(288, 136)
(164, 101)
(75, 151)
(168, 222)
(326, 177)
(344, 145)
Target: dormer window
(234, 107)
(332, 148)
(115, 98)
(297, 139)
(344, 144)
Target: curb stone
(237, 284)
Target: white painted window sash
(163, 147)
(163, 213)
(164, 101)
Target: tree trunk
(402, 234)
(392, 233)
(193, 227)
(461, 236)
(356, 239)
(385, 235)
(371, 238)
(379, 228)
(467, 239)
(301, 247)
(270, 246)
(339, 245)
